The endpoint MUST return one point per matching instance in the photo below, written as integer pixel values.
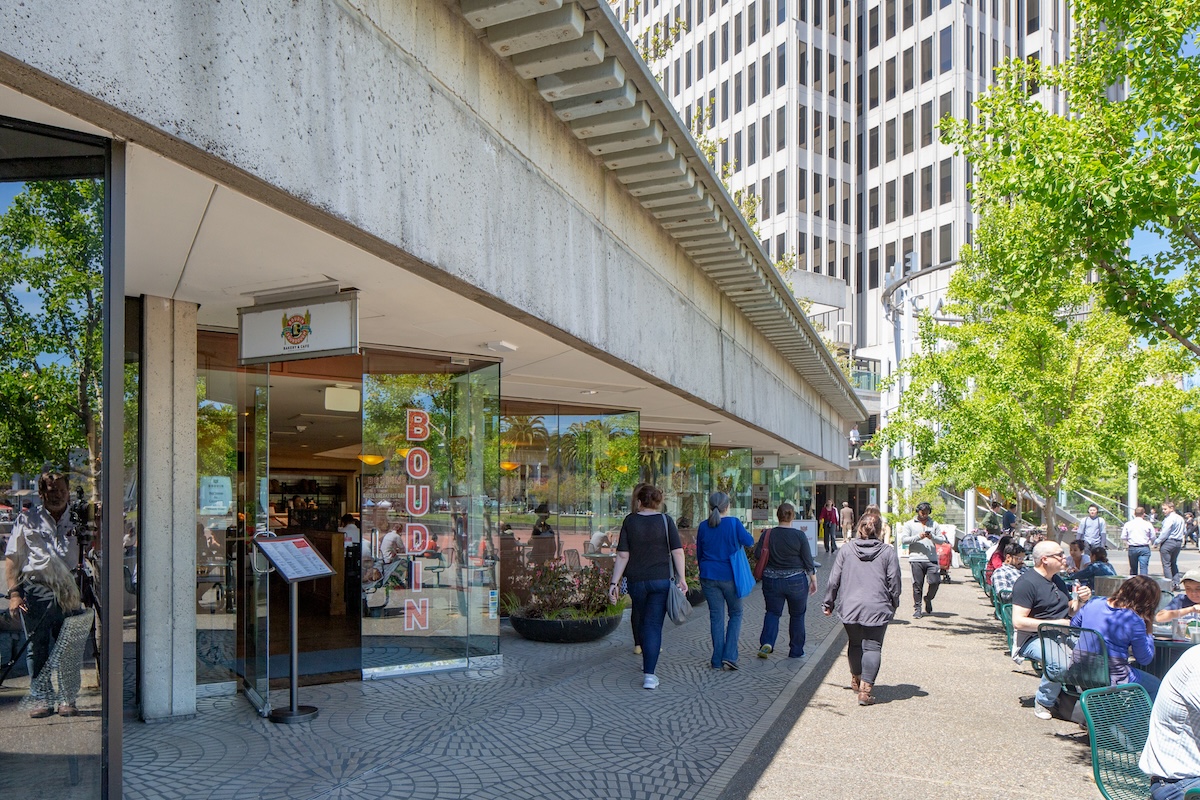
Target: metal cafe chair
(1118, 723)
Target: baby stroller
(945, 554)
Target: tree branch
(1115, 274)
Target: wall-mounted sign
(326, 325)
(765, 461)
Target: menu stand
(296, 560)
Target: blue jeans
(1173, 791)
(794, 591)
(1150, 683)
(725, 638)
(1139, 560)
(650, 609)
(1054, 662)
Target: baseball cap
(1192, 575)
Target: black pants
(829, 536)
(865, 650)
(922, 572)
(44, 621)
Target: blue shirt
(714, 546)
(1122, 630)
(1092, 531)
(1096, 569)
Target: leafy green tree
(51, 326)
(1063, 195)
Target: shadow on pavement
(885, 694)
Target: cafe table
(1167, 651)
(600, 558)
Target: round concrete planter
(565, 631)
(696, 597)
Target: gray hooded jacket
(864, 583)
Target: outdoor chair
(1006, 621)
(1075, 657)
(1118, 723)
(438, 566)
(1192, 794)
(572, 559)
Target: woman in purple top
(718, 538)
(1124, 621)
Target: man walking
(855, 443)
(1009, 524)
(923, 535)
(991, 523)
(1138, 535)
(846, 518)
(1169, 543)
(1091, 529)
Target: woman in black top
(649, 543)
(790, 576)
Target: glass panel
(254, 600)
(429, 574)
(679, 465)
(52, 230)
(731, 474)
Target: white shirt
(1075, 567)
(1137, 532)
(1173, 748)
(36, 538)
(391, 547)
(352, 533)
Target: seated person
(542, 526)
(598, 542)
(1098, 567)
(1077, 559)
(1004, 578)
(996, 557)
(1186, 604)
(1124, 621)
(1171, 756)
(392, 546)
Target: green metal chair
(1118, 722)
(1006, 620)
(1192, 794)
(1075, 657)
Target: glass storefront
(680, 466)
(53, 315)
(731, 474)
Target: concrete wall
(390, 124)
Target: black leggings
(865, 650)
(830, 537)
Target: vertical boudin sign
(416, 501)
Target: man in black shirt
(1040, 596)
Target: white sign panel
(760, 502)
(765, 461)
(318, 326)
(295, 558)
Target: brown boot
(864, 694)
(855, 682)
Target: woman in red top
(997, 560)
(829, 525)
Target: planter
(696, 596)
(565, 631)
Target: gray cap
(1192, 575)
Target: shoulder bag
(678, 606)
(743, 579)
(764, 555)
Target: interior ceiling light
(508, 466)
(501, 346)
(371, 459)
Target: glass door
(252, 520)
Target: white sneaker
(1041, 712)
(650, 681)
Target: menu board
(294, 558)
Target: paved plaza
(572, 721)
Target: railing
(864, 380)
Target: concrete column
(167, 643)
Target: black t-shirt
(789, 550)
(1045, 599)
(644, 537)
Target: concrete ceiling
(191, 239)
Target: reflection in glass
(51, 415)
(679, 465)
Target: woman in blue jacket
(718, 538)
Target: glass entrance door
(252, 520)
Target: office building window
(751, 142)
(802, 128)
(766, 136)
(816, 255)
(858, 94)
(860, 285)
(845, 80)
(908, 14)
(969, 41)
(781, 11)
(816, 202)
(780, 65)
(699, 58)
(831, 251)
(737, 151)
(677, 73)
(845, 142)
(802, 192)
(817, 16)
(751, 25)
(905, 250)
(766, 75)
(724, 153)
(846, 263)
(780, 246)
(846, 20)
(817, 132)
(818, 59)
(859, 210)
(873, 147)
(751, 83)
(890, 19)
(907, 126)
(699, 19)
(873, 268)
(737, 93)
(906, 199)
(926, 188)
(889, 257)
(780, 128)
(712, 51)
(766, 17)
(725, 43)
(666, 78)
(927, 124)
(873, 209)
(889, 201)
(687, 70)
(1034, 61)
(858, 152)
(802, 63)
(873, 87)
(945, 244)
(764, 207)
(711, 111)
(832, 18)
(945, 107)
(982, 55)
(926, 8)
(724, 100)
(831, 135)
(1034, 15)
(889, 140)
(831, 198)
(873, 27)
(781, 192)
(946, 49)
(927, 60)
(737, 33)
(926, 249)
(908, 69)
(946, 184)
(889, 79)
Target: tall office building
(827, 111)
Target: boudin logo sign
(304, 328)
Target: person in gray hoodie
(865, 587)
(923, 535)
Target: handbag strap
(670, 558)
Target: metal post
(1133, 488)
(297, 712)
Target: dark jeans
(650, 605)
(829, 536)
(923, 571)
(43, 622)
(865, 650)
(776, 591)
(1173, 791)
(724, 638)
(1139, 560)
(1168, 551)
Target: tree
(1031, 395)
(1083, 184)
(51, 326)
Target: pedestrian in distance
(788, 577)
(923, 535)
(864, 587)
(717, 539)
(855, 443)
(1138, 535)
(829, 524)
(1169, 543)
(846, 520)
(648, 544)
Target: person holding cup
(1185, 605)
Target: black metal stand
(296, 713)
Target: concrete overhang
(606, 96)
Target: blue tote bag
(743, 579)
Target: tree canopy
(1125, 159)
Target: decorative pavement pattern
(551, 721)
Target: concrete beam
(675, 168)
(663, 151)
(694, 192)
(626, 140)
(563, 24)
(582, 52)
(699, 204)
(608, 74)
(484, 13)
(662, 185)
(682, 222)
(628, 119)
(589, 105)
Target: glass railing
(864, 380)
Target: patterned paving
(552, 721)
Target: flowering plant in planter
(691, 567)
(557, 592)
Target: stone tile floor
(551, 721)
